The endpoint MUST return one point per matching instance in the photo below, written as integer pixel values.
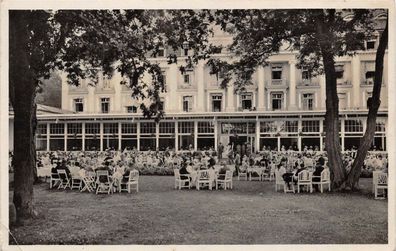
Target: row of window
(277, 102)
(184, 127)
(204, 127)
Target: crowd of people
(120, 163)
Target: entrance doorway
(242, 143)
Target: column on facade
(156, 136)
(83, 136)
(65, 90)
(117, 93)
(299, 139)
(322, 84)
(172, 81)
(138, 135)
(90, 103)
(48, 137)
(101, 136)
(176, 135)
(65, 136)
(119, 135)
(257, 142)
(230, 98)
(356, 81)
(195, 135)
(200, 81)
(216, 133)
(261, 89)
(292, 86)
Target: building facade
(284, 106)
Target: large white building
(283, 107)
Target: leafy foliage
(258, 34)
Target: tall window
(78, 105)
(187, 79)
(370, 77)
(277, 101)
(276, 72)
(306, 75)
(162, 79)
(246, 101)
(369, 98)
(339, 71)
(216, 102)
(342, 101)
(187, 103)
(370, 45)
(105, 105)
(106, 83)
(131, 109)
(161, 53)
(308, 101)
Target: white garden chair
(204, 179)
(242, 173)
(375, 177)
(179, 182)
(76, 181)
(304, 180)
(324, 179)
(64, 179)
(54, 180)
(104, 185)
(133, 180)
(381, 183)
(226, 182)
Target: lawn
(252, 213)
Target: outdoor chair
(375, 177)
(324, 179)
(304, 180)
(54, 180)
(88, 182)
(64, 179)
(381, 183)
(133, 180)
(227, 181)
(242, 174)
(279, 182)
(203, 179)
(76, 181)
(179, 182)
(255, 174)
(104, 185)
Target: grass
(252, 213)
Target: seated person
(183, 172)
(287, 176)
(222, 171)
(299, 169)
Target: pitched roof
(44, 109)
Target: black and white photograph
(158, 126)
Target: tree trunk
(23, 100)
(354, 174)
(332, 140)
